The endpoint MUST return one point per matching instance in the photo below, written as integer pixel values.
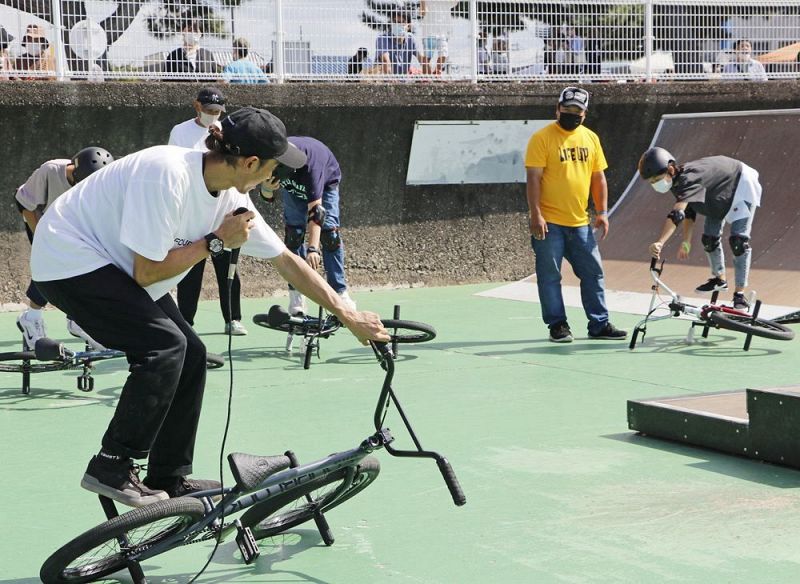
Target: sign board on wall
(470, 152)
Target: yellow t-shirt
(568, 159)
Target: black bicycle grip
(235, 252)
(452, 482)
(383, 348)
(653, 263)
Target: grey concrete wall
(394, 234)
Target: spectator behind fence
(743, 66)
(395, 49)
(500, 58)
(436, 24)
(484, 56)
(5, 60)
(191, 61)
(37, 55)
(358, 62)
(242, 69)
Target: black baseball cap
(574, 96)
(211, 98)
(251, 131)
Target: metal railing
(399, 40)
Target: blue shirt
(320, 173)
(400, 52)
(244, 71)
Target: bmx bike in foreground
(311, 329)
(707, 316)
(275, 493)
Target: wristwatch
(214, 244)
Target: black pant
(159, 407)
(32, 293)
(189, 289)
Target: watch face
(216, 246)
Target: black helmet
(654, 162)
(88, 160)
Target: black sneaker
(713, 284)
(740, 302)
(181, 486)
(560, 333)
(118, 479)
(609, 332)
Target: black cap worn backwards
(252, 131)
(211, 98)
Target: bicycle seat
(249, 470)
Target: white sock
(35, 312)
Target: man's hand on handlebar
(655, 249)
(365, 326)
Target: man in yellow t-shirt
(564, 163)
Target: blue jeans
(295, 216)
(716, 258)
(578, 246)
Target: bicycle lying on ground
(707, 316)
(312, 329)
(47, 358)
(274, 492)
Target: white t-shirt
(189, 134)
(45, 185)
(438, 20)
(149, 203)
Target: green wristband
(686, 246)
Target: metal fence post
(473, 53)
(648, 39)
(280, 70)
(58, 39)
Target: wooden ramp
(763, 424)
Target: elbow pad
(676, 216)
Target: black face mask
(569, 121)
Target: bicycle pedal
(247, 543)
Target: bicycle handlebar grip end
(385, 349)
(451, 481)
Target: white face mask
(207, 119)
(34, 49)
(398, 30)
(663, 185)
(191, 39)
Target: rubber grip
(451, 481)
(653, 263)
(382, 348)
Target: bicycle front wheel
(759, 327)
(15, 363)
(409, 331)
(98, 552)
(292, 508)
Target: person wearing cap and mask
(110, 250)
(48, 182)
(191, 62)
(37, 58)
(208, 106)
(565, 163)
(723, 190)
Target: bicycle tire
(760, 327)
(34, 366)
(271, 517)
(59, 568)
(214, 361)
(409, 331)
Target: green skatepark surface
(558, 489)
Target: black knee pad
(710, 242)
(739, 244)
(330, 240)
(294, 236)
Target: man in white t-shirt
(48, 182)
(109, 251)
(437, 24)
(209, 105)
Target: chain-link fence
(393, 40)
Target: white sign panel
(470, 152)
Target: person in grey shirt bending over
(723, 190)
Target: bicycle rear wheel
(98, 552)
(7, 363)
(214, 361)
(759, 327)
(291, 508)
(409, 331)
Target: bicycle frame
(234, 500)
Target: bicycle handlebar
(451, 481)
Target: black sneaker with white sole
(713, 284)
(560, 333)
(118, 479)
(609, 332)
(181, 486)
(740, 302)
